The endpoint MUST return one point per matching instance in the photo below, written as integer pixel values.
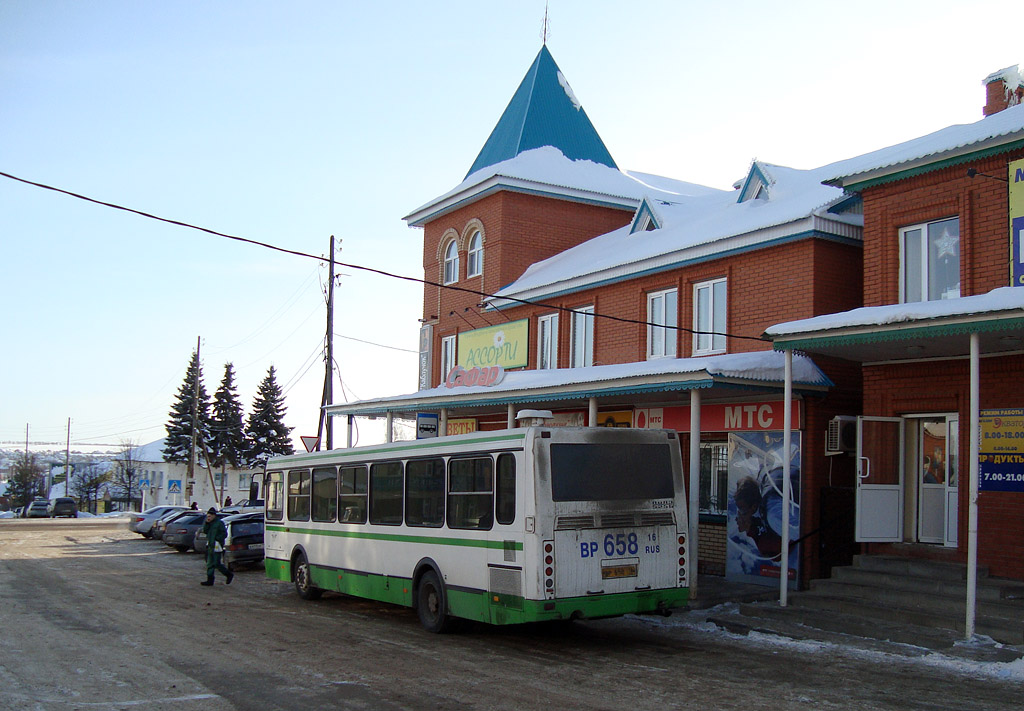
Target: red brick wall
(943, 386)
(981, 204)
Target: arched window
(475, 256)
(451, 263)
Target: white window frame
(448, 356)
(661, 340)
(475, 255)
(547, 342)
(451, 262)
(922, 263)
(581, 354)
(704, 343)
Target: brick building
(616, 298)
(940, 341)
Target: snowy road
(95, 617)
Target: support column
(348, 431)
(787, 483)
(442, 426)
(972, 494)
(511, 424)
(592, 415)
(693, 492)
(389, 421)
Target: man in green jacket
(215, 534)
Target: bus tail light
(682, 558)
(549, 569)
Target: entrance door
(879, 479)
(937, 479)
(952, 480)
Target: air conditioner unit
(842, 435)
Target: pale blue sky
(289, 122)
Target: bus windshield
(611, 472)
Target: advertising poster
(505, 345)
(1001, 451)
(1016, 182)
(754, 519)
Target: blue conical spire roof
(543, 112)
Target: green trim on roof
(895, 332)
(929, 168)
(541, 113)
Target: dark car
(244, 542)
(180, 533)
(160, 525)
(63, 506)
(142, 523)
(36, 509)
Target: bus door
(879, 479)
(505, 560)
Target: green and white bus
(504, 527)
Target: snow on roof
(1003, 299)
(697, 219)
(1011, 76)
(547, 169)
(960, 139)
(760, 366)
(152, 452)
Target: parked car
(142, 523)
(63, 506)
(245, 506)
(244, 542)
(36, 509)
(160, 525)
(180, 533)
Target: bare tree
(125, 476)
(27, 481)
(87, 482)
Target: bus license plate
(255, 545)
(618, 571)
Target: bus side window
(298, 495)
(424, 492)
(505, 494)
(386, 493)
(275, 496)
(325, 494)
(352, 495)
(470, 493)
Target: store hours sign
(1001, 450)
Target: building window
(714, 477)
(451, 263)
(709, 309)
(475, 256)
(582, 337)
(547, 341)
(930, 261)
(662, 315)
(447, 356)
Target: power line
(372, 270)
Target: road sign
(309, 442)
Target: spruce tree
(266, 431)
(178, 446)
(228, 444)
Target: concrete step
(901, 565)
(1006, 627)
(987, 589)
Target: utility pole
(195, 416)
(329, 357)
(67, 460)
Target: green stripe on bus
(399, 538)
(369, 451)
(484, 606)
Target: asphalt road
(94, 617)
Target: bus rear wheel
(304, 580)
(432, 605)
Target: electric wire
(381, 272)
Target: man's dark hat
(212, 511)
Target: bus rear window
(611, 472)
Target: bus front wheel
(431, 605)
(304, 580)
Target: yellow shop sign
(505, 345)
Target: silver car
(142, 523)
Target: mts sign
(720, 417)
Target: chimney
(1003, 89)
